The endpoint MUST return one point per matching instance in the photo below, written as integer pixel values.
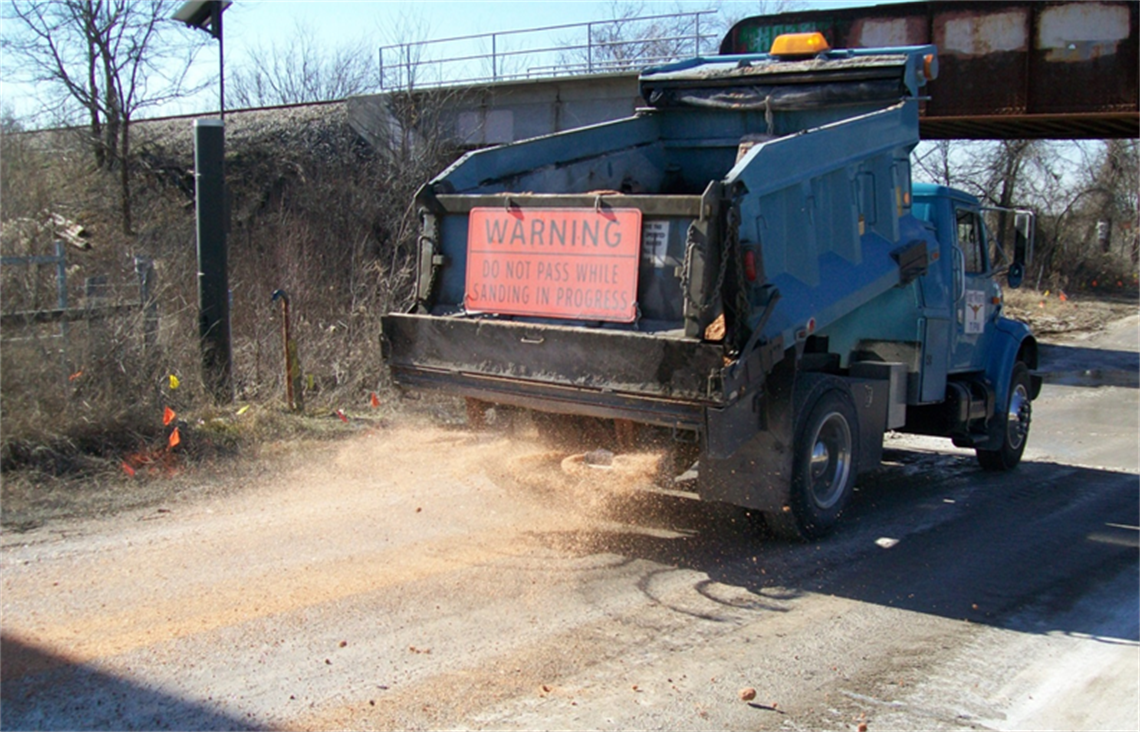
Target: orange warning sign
(573, 263)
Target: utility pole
(212, 219)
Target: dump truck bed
(653, 267)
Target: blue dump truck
(741, 273)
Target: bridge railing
(610, 46)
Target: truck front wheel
(1013, 422)
(823, 472)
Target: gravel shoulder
(419, 575)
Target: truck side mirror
(1015, 274)
(1022, 248)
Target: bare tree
(21, 193)
(1085, 193)
(405, 64)
(633, 37)
(731, 13)
(1116, 189)
(636, 36)
(932, 161)
(106, 60)
(301, 69)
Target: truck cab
(983, 347)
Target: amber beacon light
(799, 44)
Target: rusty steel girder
(1007, 69)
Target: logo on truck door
(572, 263)
(975, 312)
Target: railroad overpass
(1008, 69)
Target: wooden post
(294, 398)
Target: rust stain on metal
(1082, 32)
(977, 34)
(904, 31)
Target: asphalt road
(426, 577)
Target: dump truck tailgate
(612, 373)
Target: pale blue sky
(250, 24)
(444, 18)
(252, 20)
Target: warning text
(578, 264)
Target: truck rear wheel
(823, 471)
(1013, 422)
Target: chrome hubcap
(830, 463)
(1020, 412)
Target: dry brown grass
(1055, 312)
(314, 211)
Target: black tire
(823, 470)
(1013, 423)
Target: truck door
(973, 290)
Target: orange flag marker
(175, 438)
(168, 416)
(375, 400)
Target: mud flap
(758, 473)
(872, 403)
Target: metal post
(61, 301)
(95, 289)
(494, 65)
(216, 22)
(61, 275)
(95, 299)
(144, 268)
(589, 48)
(213, 276)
